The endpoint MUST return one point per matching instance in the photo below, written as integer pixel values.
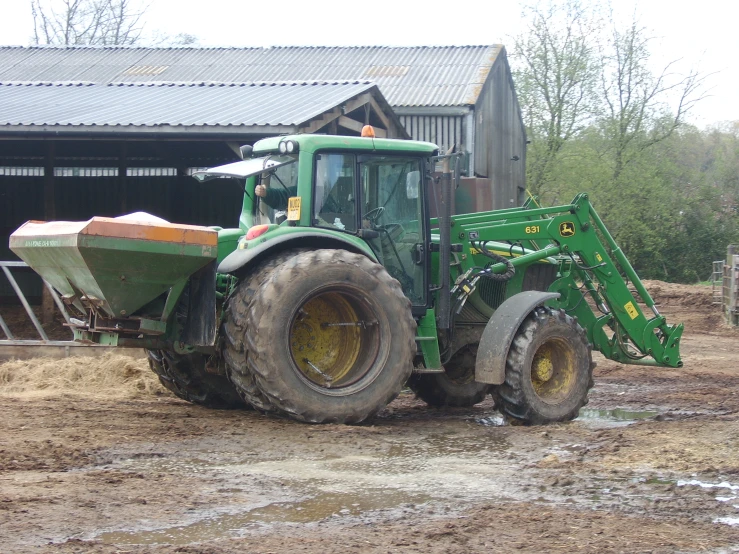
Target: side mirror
(246, 151)
(412, 183)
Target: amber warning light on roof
(368, 131)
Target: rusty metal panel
(475, 194)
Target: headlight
(288, 147)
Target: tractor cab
(364, 189)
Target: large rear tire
(456, 387)
(187, 377)
(549, 369)
(234, 328)
(328, 335)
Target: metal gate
(731, 288)
(726, 285)
(43, 339)
(13, 347)
(717, 283)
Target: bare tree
(162, 39)
(556, 76)
(638, 111)
(87, 22)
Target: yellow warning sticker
(293, 208)
(598, 257)
(631, 310)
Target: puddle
(611, 418)
(696, 483)
(722, 487)
(733, 521)
(615, 417)
(359, 504)
(454, 466)
(492, 421)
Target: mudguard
(499, 332)
(240, 258)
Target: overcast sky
(699, 33)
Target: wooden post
(731, 285)
(122, 168)
(47, 302)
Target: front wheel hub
(543, 368)
(553, 370)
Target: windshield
(272, 190)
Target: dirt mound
(668, 294)
(691, 305)
(111, 375)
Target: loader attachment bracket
(499, 332)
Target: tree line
(602, 118)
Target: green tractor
(338, 289)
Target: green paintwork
(228, 240)
(103, 339)
(286, 231)
(542, 228)
(313, 143)
(428, 340)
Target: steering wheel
(373, 215)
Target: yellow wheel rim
(553, 370)
(329, 338)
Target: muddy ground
(92, 464)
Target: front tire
(549, 369)
(456, 387)
(328, 334)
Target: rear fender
(499, 332)
(238, 260)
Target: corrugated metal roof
(406, 76)
(173, 104)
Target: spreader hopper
(115, 265)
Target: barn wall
(500, 137)
(443, 130)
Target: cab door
(392, 205)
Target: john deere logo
(567, 229)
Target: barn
(109, 130)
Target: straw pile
(110, 375)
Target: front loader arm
(589, 267)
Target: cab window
(335, 195)
(279, 185)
